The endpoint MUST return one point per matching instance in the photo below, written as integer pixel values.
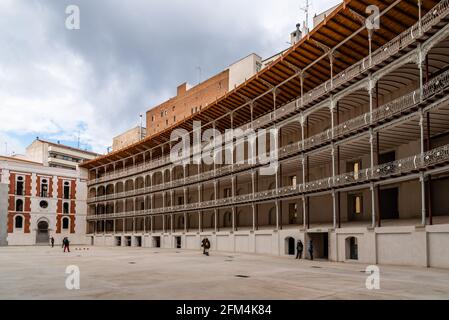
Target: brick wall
(181, 106)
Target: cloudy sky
(127, 56)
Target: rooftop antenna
(6, 148)
(306, 11)
(79, 139)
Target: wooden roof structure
(342, 31)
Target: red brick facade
(28, 193)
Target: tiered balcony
(344, 78)
(434, 158)
(399, 106)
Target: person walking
(299, 249)
(52, 241)
(310, 249)
(66, 244)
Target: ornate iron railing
(384, 112)
(426, 160)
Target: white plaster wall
(438, 249)
(242, 243)
(395, 248)
(263, 243)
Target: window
(152, 118)
(293, 181)
(19, 186)
(166, 112)
(19, 205)
(44, 188)
(174, 118)
(173, 109)
(18, 223)
(66, 190)
(65, 223)
(162, 114)
(43, 204)
(166, 122)
(358, 205)
(65, 208)
(354, 167)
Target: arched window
(18, 223)
(19, 186)
(65, 223)
(44, 188)
(19, 205)
(65, 208)
(66, 190)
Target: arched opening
(19, 186)
(290, 246)
(352, 250)
(18, 222)
(19, 205)
(44, 188)
(110, 189)
(42, 232)
(65, 223)
(92, 193)
(65, 208)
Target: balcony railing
(393, 47)
(437, 156)
(387, 111)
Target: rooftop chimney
(296, 35)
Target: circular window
(66, 183)
(43, 204)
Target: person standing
(52, 241)
(310, 249)
(299, 249)
(206, 246)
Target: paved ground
(143, 273)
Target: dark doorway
(389, 207)
(42, 232)
(439, 196)
(157, 242)
(320, 245)
(290, 246)
(138, 241)
(118, 241)
(352, 248)
(178, 242)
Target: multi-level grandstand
(361, 114)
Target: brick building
(41, 202)
(191, 100)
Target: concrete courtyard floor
(152, 273)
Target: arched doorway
(352, 250)
(42, 235)
(290, 246)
